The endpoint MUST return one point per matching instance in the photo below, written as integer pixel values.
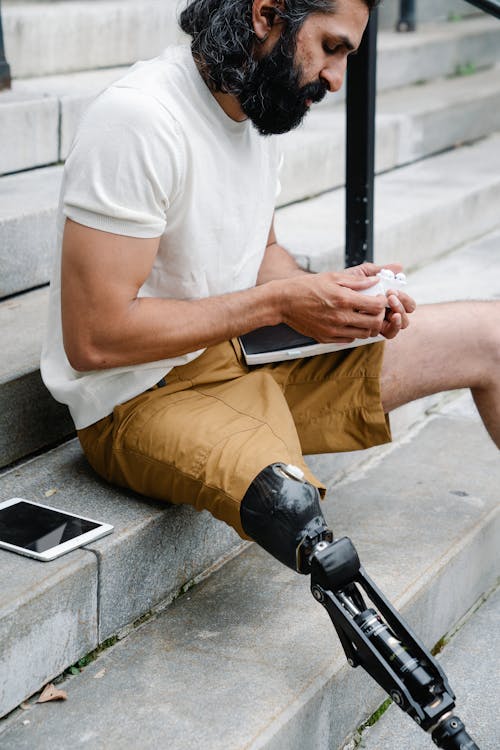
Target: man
(169, 254)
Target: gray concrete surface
(154, 550)
(436, 50)
(28, 132)
(472, 662)
(44, 38)
(426, 10)
(28, 201)
(421, 211)
(48, 619)
(413, 122)
(247, 659)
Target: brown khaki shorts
(203, 437)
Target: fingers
(364, 269)
(354, 325)
(355, 282)
(392, 326)
(408, 302)
(401, 303)
(370, 269)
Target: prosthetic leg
(281, 512)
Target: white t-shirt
(156, 156)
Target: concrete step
(39, 116)
(426, 11)
(52, 614)
(44, 38)
(421, 211)
(88, 596)
(30, 419)
(412, 123)
(471, 658)
(436, 50)
(388, 12)
(247, 658)
(28, 204)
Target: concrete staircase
(245, 658)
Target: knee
(281, 512)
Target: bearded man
(168, 254)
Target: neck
(230, 105)
(227, 102)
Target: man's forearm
(152, 329)
(277, 264)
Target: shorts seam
(261, 422)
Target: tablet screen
(37, 528)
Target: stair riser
(61, 38)
(43, 634)
(30, 419)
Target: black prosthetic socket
(281, 512)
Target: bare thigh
(447, 346)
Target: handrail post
(5, 80)
(360, 147)
(407, 16)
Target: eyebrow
(345, 41)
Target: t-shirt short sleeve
(125, 165)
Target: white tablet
(279, 343)
(43, 532)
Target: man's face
(300, 70)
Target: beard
(271, 95)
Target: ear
(266, 22)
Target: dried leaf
(100, 674)
(50, 492)
(51, 693)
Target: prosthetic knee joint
(281, 512)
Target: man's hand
(330, 308)
(400, 304)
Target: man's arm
(105, 323)
(279, 264)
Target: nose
(333, 74)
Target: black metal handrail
(5, 80)
(360, 141)
(360, 147)
(489, 6)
